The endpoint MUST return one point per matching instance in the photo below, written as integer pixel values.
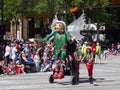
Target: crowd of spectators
(26, 57)
(29, 57)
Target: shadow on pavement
(82, 80)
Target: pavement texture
(106, 77)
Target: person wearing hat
(88, 58)
(61, 37)
(98, 51)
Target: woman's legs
(6, 62)
(90, 71)
(37, 66)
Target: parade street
(106, 75)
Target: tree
(11, 9)
(98, 10)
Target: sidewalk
(106, 74)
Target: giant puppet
(61, 37)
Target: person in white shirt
(14, 50)
(11, 47)
(37, 62)
(7, 53)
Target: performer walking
(89, 61)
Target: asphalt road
(106, 77)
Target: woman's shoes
(91, 80)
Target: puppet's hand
(73, 38)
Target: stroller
(67, 67)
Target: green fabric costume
(87, 58)
(59, 42)
(79, 53)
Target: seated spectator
(26, 50)
(19, 67)
(26, 62)
(30, 58)
(10, 69)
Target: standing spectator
(93, 48)
(14, 50)
(7, 53)
(37, 62)
(98, 51)
(83, 49)
(11, 48)
(40, 52)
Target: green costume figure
(61, 37)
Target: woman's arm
(24, 58)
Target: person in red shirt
(93, 48)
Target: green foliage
(41, 6)
(94, 9)
(11, 8)
(76, 2)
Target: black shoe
(77, 79)
(91, 80)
